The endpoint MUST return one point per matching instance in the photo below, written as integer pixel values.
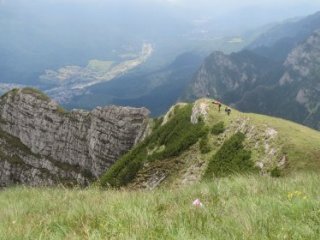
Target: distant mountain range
(278, 74)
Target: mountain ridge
(276, 146)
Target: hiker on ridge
(219, 105)
(227, 110)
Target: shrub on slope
(230, 158)
(168, 140)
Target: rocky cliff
(42, 144)
(302, 76)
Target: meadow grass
(301, 143)
(237, 207)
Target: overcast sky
(257, 12)
(194, 3)
(200, 3)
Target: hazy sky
(205, 5)
(195, 3)
(246, 13)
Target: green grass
(27, 90)
(300, 143)
(33, 91)
(5, 95)
(238, 207)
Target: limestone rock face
(41, 144)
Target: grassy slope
(300, 145)
(239, 207)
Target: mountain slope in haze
(192, 137)
(278, 42)
(296, 95)
(228, 77)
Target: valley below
(74, 80)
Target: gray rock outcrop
(41, 144)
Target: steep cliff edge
(41, 144)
